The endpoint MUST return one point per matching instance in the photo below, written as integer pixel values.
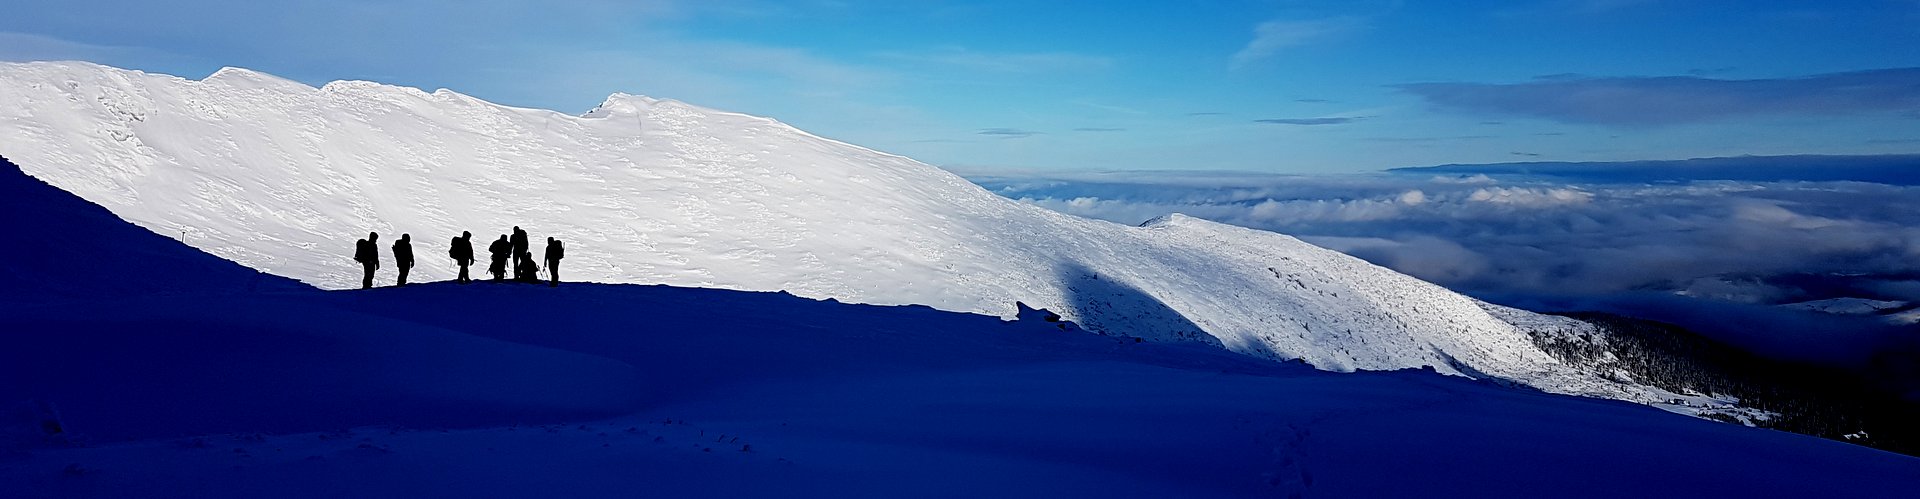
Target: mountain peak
(235, 72)
(1168, 220)
(622, 104)
(246, 78)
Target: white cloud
(1270, 37)
(1324, 210)
(1531, 236)
(1477, 178)
(1770, 213)
(1530, 197)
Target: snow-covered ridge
(282, 177)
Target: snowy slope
(74, 249)
(129, 335)
(170, 383)
(505, 390)
(283, 177)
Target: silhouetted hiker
(519, 245)
(499, 249)
(527, 271)
(367, 252)
(403, 256)
(462, 253)
(554, 253)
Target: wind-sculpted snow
(283, 177)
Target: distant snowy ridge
(1890, 311)
(1846, 306)
(282, 177)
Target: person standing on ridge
(527, 271)
(462, 253)
(499, 249)
(403, 256)
(554, 253)
(519, 246)
(367, 252)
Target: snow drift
(282, 177)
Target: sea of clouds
(1707, 252)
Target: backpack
(403, 253)
(556, 251)
(362, 251)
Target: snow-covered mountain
(173, 383)
(283, 177)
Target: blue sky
(1272, 86)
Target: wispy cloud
(1330, 120)
(714, 73)
(1891, 169)
(1002, 62)
(1711, 71)
(1110, 108)
(1600, 6)
(33, 47)
(1654, 101)
(1271, 37)
(1562, 8)
(1007, 133)
(1428, 139)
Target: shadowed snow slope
(771, 395)
(68, 247)
(282, 177)
(132, 335)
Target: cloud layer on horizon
(1670, 100)
(1551, 243)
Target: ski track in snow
(282, 177)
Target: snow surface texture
(282, 177)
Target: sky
(1245, 85)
